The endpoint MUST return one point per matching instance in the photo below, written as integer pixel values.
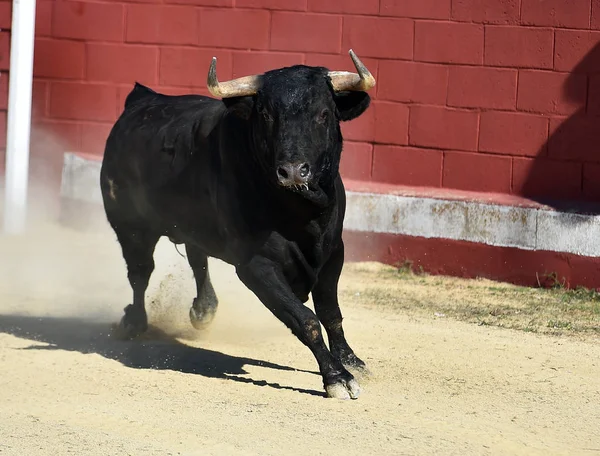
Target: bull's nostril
(304, 170)
(281, 172)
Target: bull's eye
(267, 116)
(263, 112)
(323, 116)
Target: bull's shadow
(157, 350)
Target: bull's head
(295, 114)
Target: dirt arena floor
(246, 386)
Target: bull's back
(156, 135)
(158, 145)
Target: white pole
(19, 115)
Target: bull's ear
(240, 106)
(350, 105)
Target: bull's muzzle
(293, 174)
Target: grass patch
(555, 310)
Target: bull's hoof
(131, 325)
(201, 319)
(343, 389)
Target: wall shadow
(557, 177)
(156, 350)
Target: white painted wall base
(491, 224)
(525, 228)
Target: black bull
(252, 179)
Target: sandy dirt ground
(246, 386)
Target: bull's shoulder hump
(151, 114)
(139, 92)
(143, 96)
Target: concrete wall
(448, 232)
(482, 95)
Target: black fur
(203, 172)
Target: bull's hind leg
(325, 298)
(138, 250)
(205, 304)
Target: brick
(245, 63)
(574, 138)
(412, 82)
(122, 93)
(61, 59)
(39, 98)
(391, 122)
(218, 3)
(43, 18)
(4, 50)
(189, 67)
(479, 87)
(356, 161)
(80, 101)
(546, 178)
(362, 128)
(5, 15)
(161, 24)
(486, 11)
(393, 40)
(3, 90)
(556, 13)
(345, 7)
(577, 51)
(476, 172)
(407, 166)
(593, 101)
(595, 19)
(342, 62)
(591, 181)
(418, 9)
(447, 42)
(88, 21)
(2, 129)
(93, 137)
(122, 63)
(442, 128)
(288, 5)
(245, 29)
(513, 133)
(519, 47)
(305, 32)
(548, 92)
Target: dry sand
(247, 386)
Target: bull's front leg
(266, 279)
(325, 298)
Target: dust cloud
(60, 270)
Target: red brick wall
(5, 23)
(484, 95)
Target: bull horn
(248, 85)
(346, 81)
